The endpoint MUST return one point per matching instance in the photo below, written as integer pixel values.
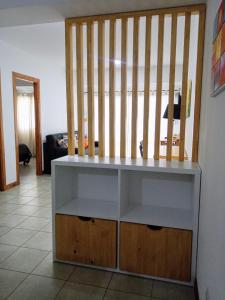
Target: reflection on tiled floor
(26, 267)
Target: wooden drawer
(86, 240)
(156, 251)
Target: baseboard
(196, 290)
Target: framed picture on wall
(218, 53)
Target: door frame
(2, 147)
(37, 109)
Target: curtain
(26, 120)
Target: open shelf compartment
(89, 192)
(157, 198)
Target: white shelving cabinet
(89, 192)
(157, 198)
(124, 191)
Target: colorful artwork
(218, 51)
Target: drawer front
(161, 252)
(86, 240)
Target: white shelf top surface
(160, 216)
(90, 208)
(185, 167)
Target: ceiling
(24, 12)
(46, 41)
(17, 3)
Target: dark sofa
(53, 150)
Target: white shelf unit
(158, 193)
(161, 199)
(89, 192)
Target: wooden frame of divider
(90, 79)
(123, 89)
(147, 85)
(101, 88)
(112, 89)
(186, 11)
(69, 87)
(159, 86)
(171, 86)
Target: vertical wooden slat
(90, 82)
(159, 86)
(69, 87)
(146, 85)
(112, 89)
(184, 84)
(80, 88)
(134, 88)
(171, 86)
(101, 87)
(198, 87)
(123, 89)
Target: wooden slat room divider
(171, 86)
(123, 89)
(99, 40)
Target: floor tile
(44, 212)
(36, 287)
(34, 223)
(169, 291)
(46, 195)
(53, 269)
(131, 284)
(5, 196)
(116, 295)
(17, 236)
(43, 187)
(91, 276)
(26, 210)
(8, 207)
(15, 192)
(31, 193)
(12, 220)
(9, 280)
(76, 291)
(40, 202)
(4, 230)
(5, 251)
(24, 260)
(20, 200)
(47, 228)
(26, 186)
(41, 240)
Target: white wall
(211, 254)
(53, 97)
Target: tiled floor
(26, 267)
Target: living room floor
(26, 267)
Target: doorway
(26, 94)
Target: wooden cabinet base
(86, 240)
(155, 251)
